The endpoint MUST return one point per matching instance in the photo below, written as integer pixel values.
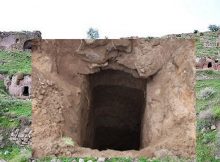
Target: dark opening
(27, 45)
(216, 61)
(26, 91)
(117, 117)
(209, 64)
(116, 111)
(17, 40)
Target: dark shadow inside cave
(26, 91)
(209, 64)
(116, 110)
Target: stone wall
(22, 135)
(17, 41)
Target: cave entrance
(27, 45)
(209, 64)
(25, 91)
(115, 116)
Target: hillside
(206, 44)
(13, 111)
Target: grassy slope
(21, 62)
(13, 62)
(12, 109)
(203, 51)
(207, 140)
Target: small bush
(204, 124)
(68, 141)
(205, 115)
(206, 93)
(201, 34)
(93, 33)
(195, 31)
(214, 28)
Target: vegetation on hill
(11, 109)
(208, 113)
(206, 44)
(207, 107)
(14, 62)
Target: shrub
(206, 93)
(214, 28)
(93, 33)
(68, 141)
(201, 34)
(204, 124)
(195, 31)
(205, 115)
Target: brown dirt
(122, 97)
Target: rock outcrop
(18, 85)
(18, 41)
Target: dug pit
(119, 97)
(117, 105)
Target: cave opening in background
(27, 45)
(116, 111)
(25, 91)
(209, 64)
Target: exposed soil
(127, 97)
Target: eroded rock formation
(17, 41)
(18, 85)
(207, 63)
(141, 91)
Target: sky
(71, 19)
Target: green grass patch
(14, 62)
(21, 108)
(12, 107)
(15, 154)
(205, 147)
(201, 50)
(212, 74)
(214, 99)
(6, 122)
(3, 93)
(216, 112)
(206, 143)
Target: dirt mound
(122, 97)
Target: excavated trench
(114, 112)
(117, 103)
